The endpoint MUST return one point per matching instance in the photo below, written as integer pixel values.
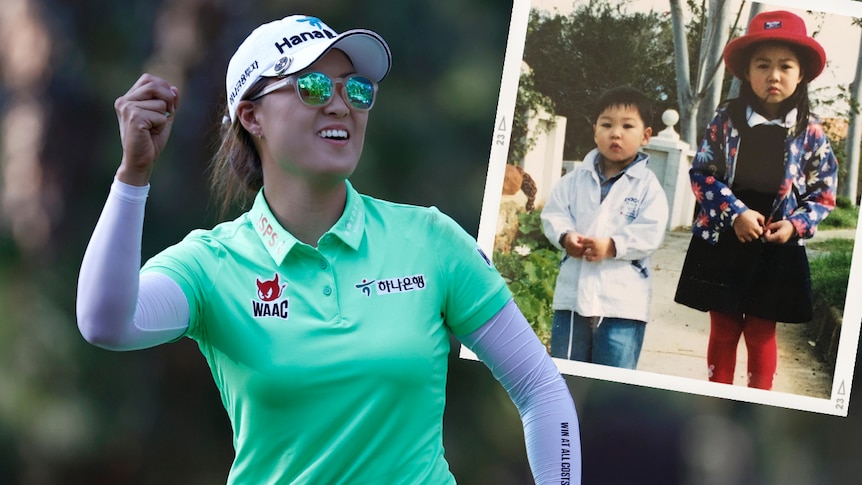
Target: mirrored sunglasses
(315, 89)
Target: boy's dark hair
(625, 96)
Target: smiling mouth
(333, 134)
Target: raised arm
(115, 309)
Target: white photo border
(838, 402)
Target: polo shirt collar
(351, 225)
(278, 241)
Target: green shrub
(530, 232)
(531, 278)
(530, 270)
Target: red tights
(725, 330)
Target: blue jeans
(608, 341)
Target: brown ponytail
(236, 174)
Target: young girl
(764, 177)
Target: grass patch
(844, 216)
(834, 245)
(830, 269)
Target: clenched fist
(146, 115)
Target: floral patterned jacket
(805, 198)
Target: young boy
(609, 216)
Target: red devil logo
(269, 290)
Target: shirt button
(327, 290)
(323, 265)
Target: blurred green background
(74, 414)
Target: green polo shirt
(332, 361)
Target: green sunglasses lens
(315, 88)
(360, 92)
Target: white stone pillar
(670, 159)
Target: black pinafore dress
(770, 281)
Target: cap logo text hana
(772, 24)
(301, 37)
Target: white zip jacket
(634, 214)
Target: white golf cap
(283, 47)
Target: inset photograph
(673, 193)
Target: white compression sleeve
(116, 308)
(510, 349)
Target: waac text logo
(270, 302)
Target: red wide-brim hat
(782, 26)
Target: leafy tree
(575, 58)
(528, 102)
(698, 82)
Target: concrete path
(676, 336)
